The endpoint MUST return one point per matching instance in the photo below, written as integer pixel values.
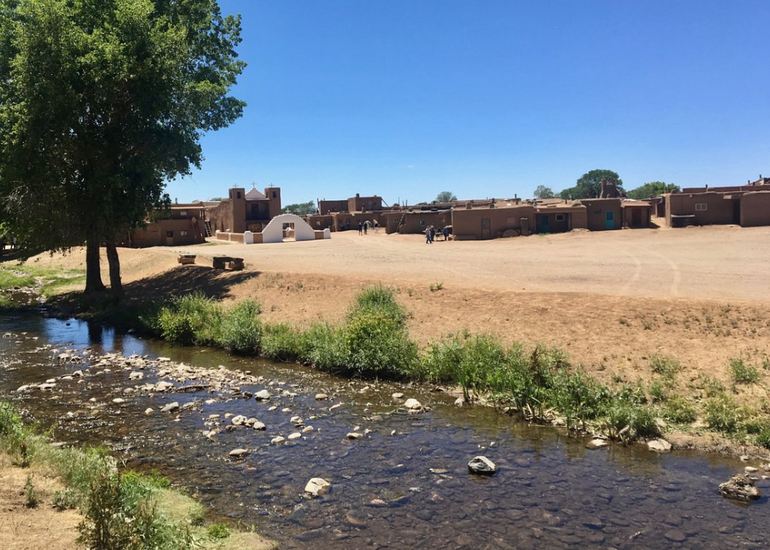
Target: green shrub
(667, 367)
(281, 343)
(120, 514)
(626, 420)
(322, 347)
(579, 397)
(376, 344)
(187, 320)
(381, 299)
(440, 362)
(31, 499)
(763, 438)
(218, 531)
(240, 329)
(679, 411)
(743, 373)
(482, 360)
(723, 414)
(658, 391)
(65, 499)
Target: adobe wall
(596, 213)
(221, 216)
(327, 207)
(415, 222)
(645, 216)
(361, 204)
(712, 208)
(575, 218)
(183, 231)
(229, 236)
(320, 221)
(273, 195)
(346, 221)
(755, 209)
(238, 209)
(491, 223)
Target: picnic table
(186, 259)
(227, 262)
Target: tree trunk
(112, 258)
(93, 270)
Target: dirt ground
(23, 528)
(610, 299)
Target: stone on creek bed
(317, 487)
(481, 465)
(739, 487)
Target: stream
(404, 483)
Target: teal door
(609, 220)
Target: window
(238, 195)
(275, 194)
(183, 233)
(701, 206)
(183, 214)
(560, 217)
(170, 234)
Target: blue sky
(406, 98)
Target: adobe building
(243, 211)
(603, 214)
(559, 216)
(416, 220)
(492, 222)
(755, 208)
(178, 225)
(637, 214)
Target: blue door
(609, 220)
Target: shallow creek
(406, 483)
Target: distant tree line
(300, 208)
(588, 186)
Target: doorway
(486, 228)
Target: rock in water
(481, 465)
(321, 396)
(317, 487)
(238, 419)
(149, 411)
(659, 445)
(739, 487)
(277, 440)
(238, 453)
(597, 443)
(262, 395)
(171, 407)
(412, 404)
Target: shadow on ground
(178, 281)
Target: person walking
(360, 228)
(432, 234)
(366, 227)
(427, 235)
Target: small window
(183, 214)
(183, 233)
(237, 194)
(560, 217)
(275, 194)
(701, 206)
(169, 234)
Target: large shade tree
(652, 189)
(588, 185)
(101, 103)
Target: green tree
(543, 192)
(652, 189)
(301, 208)
(101, 103)
(445, 196)
(589, 184)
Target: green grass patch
(667, 367)
(742, 372)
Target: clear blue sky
(406, 98)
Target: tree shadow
(177, 281)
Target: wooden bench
(186, 259)
(226, 262)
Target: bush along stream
(538, 385)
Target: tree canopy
(652, 189)
(445, 196)
(300, 208)
(588, 185)
(101, 103)
(543, 192)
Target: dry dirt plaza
(610, 299)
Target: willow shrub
(192, 319)
(240, 329)
(280, 342)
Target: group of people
(363, 227)
(430, 233)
